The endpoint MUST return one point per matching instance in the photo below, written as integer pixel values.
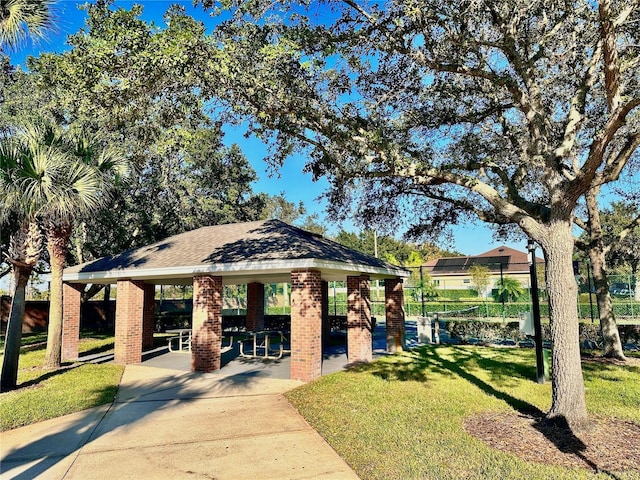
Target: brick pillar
(206, 338)
(394, 306)
(71, 305)
(306, 325)
(255, 306)
(129, 321)
(326, 326)
(148, 316)
(359, 341)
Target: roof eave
(274, 267)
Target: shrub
(590, 337)
(457, 294)
(484, 331)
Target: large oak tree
(422, 113)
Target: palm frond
(22, 19)
(56, 174)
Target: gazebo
(251, 253)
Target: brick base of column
(359, 341)
(71, 308)
(306, 325)
(206, 335)
(129, 322)
(394, 306)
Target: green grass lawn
(44, 394)
(402, 417)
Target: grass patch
(401, 417)
(44, 394)
(28, 339)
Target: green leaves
(450, 101)
(139, 87)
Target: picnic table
(181, 341)
(263, 344)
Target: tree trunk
(107, 307)
(612, 346)
(568, 395)
(597, 255)
(57, 243)
(13, 337)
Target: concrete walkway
(177, 425)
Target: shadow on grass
(66, 367)
(423, 364)
(101, 349)
(417, 365)
(499, 370)
(598, 366)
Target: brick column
(71, 305)
(148, 316)
(326, 326)
(255, 306)
(394, 306)
(359, 341)
(129, 321)
(206, 338)
(306, 325)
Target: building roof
(262, 251)
(503, 257)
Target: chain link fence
(510, 303)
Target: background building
(453, 273)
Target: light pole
(502, 291)
(421, 291)
(535, 307)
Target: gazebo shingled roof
(239, 252)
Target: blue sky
(298, 187)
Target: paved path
(177, 425)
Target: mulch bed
(609, 445)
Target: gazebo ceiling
(263, 251)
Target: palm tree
(508, 288)
(20, 19)
(61, 175)
(83, 188)
(24, 251)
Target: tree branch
(630, 227)
(616, 164)
(5, 271)
(575, 115)
(611, 67)
(602, 141)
